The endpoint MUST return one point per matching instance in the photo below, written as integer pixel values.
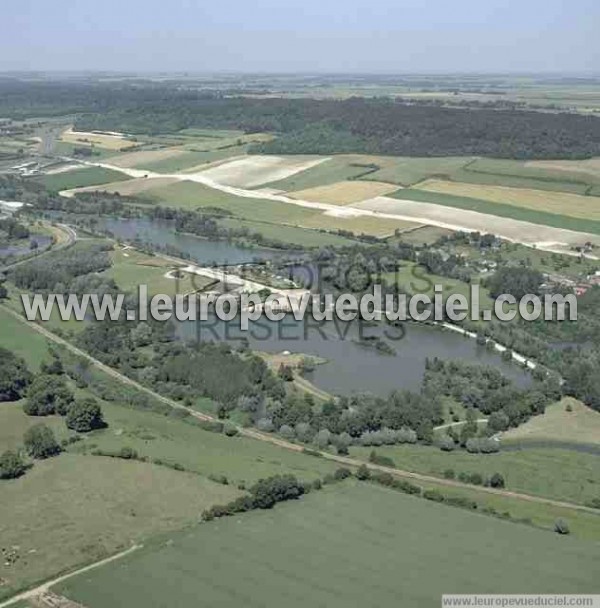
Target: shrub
(287, 432)
(230, 430)
(265, 425)
(40, 442)
(85, 415)
(449, 474)
(561, 527)
(497, 480)
(447, 444)
(363, 473)
(342, 473)
(476, 479)
(222, 479)
(317, 484)
(213, 426)
(383, 461)
(434, 495)
(128, 453)
(11, 465)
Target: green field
(79, 178)
(517, 174)
(131, 268)
(239, 459)
(26, 343)
(499, 209)
(550, 472)
(350, 545)
(337, 169)
(73, 509)
(192, 157)
(291, 235)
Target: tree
(40, 442)
(14, 376)
(363, 473)
(497, 480)
(47, 395)
(85, 415)
(11, 465)
(3, 292)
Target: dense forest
(374, 126)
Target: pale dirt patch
(470, 221)
(102, 140)
(562, 203)
(64, 169)
(252, 171)
(581, 425)
(590, 166)
(344, 192)
(145, 157)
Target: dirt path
(32, 593)
(254, 434)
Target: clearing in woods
(374, 546)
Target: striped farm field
(560, 203)
(345, 192)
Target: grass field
(192, 160)
(414, 278)
(351, 545)
(289, 234)
(550, 472)
(78, 178)
(14, 423)
(28, 344)
(203, 452)
(191, 195)
(344, 193)
(524, 174)
(560, 203)
(131, 268)
(141, 158)
(74, 509)
(581, 425)
(499, 210)
(335, 169)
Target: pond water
(161, 233)
(352, 366)
(23, 247)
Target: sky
(380, 36)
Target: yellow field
(86, 138)
(561, 203)
(144, 157)
(374, 226)
(581, 425)
(590, 166)
(344, 193)
(129, 187)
